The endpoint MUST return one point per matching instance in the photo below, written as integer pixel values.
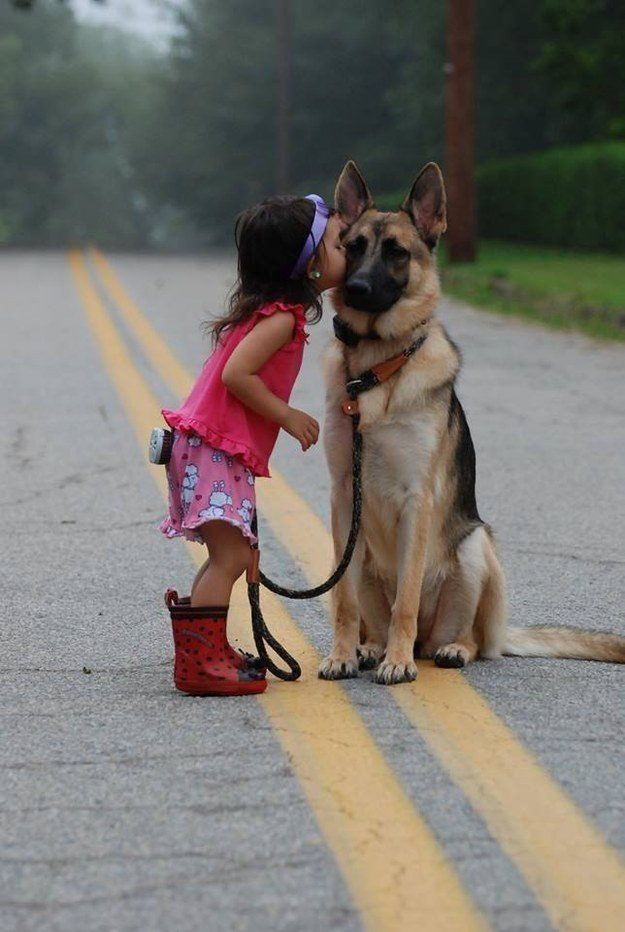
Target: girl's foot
(240, 658)
(202, 665)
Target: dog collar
(377, 374)
(348, 336)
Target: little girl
(289, 252)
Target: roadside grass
(565, 290)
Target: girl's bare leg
(229, 554)
(199, 574)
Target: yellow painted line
(389, 858)
(161, 357)
(574, 873)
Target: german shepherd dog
(424, 578)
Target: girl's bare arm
(239, 376)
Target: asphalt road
(127, 806)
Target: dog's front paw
(451, 655)
(333, 668)
(389, 673)
(369, 655)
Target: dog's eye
(394, 250)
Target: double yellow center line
(388, 857)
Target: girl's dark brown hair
(269, 239)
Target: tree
(283, 95)
(582, 57)
(71, 98)
(215, 131)
(513, 114)
(42, 111)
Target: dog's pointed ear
(351, 195)
(426, 204)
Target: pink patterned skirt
(206, 484)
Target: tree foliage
(105, 138)
(216, 132)
(67, 121)
(38, 69)
(583, 61)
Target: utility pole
(283, 97)
(460, 131)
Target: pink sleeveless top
(218, 417)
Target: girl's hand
(301, 426)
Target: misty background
(151, 124)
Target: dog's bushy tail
(566, 643)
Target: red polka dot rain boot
(202, 665)
(240, 658)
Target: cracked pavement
(127, 807)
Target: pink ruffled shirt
(216, 415)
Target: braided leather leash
(262, 635)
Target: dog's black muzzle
(364, 295)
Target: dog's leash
(261, 633)
(255, 576)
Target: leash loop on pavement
(262, 635)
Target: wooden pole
(460, 132)
(283, 97)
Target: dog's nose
(358, 288)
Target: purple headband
(317, 229)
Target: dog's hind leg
(452, 641)
(376, 615)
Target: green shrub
(573, 197)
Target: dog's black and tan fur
(425, 571)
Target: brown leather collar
(375, 375)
